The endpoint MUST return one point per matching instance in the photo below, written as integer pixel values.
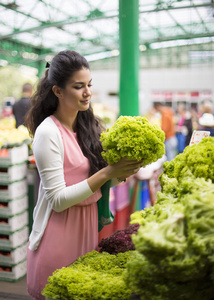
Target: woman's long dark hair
(44, 103)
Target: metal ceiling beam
(177, 24)
(153, 27)
(59, 24)
(178, 37)
(208, 4)
(72, 20)
(20, 12)
(201, 20)
(56, 8)
(14, 51)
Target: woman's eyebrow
(81, 82)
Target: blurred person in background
(153, 116)
(168, 126)
(195, 115)
(183, 127)
(206, 121)
(21, 107)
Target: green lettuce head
(134, 138)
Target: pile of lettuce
(174, 257)
(93, 276)
(135, 138)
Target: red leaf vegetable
(120, 241)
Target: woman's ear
(57, 91)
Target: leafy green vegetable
(174, 257)
(134, 138)
(196, 160)
(200, 219)
(93, 276)
(175, 277)
(161, 239)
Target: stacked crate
(13, 213)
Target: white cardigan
(53, 194)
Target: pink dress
(70, 233)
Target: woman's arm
(49, 155)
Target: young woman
(67, 151)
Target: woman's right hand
(123, 168)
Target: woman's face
(78, 91)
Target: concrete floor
(14, 290)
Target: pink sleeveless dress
(70, 233)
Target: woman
(67, 151)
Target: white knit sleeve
(49, 153)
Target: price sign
(198, 135)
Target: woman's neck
(67, 120)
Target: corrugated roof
(32, 31)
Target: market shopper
(183, 127)
(67, 151)
(168, 126)
(206, 121)
(21, 107)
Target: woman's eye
(80, 87)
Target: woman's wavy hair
(44, 103)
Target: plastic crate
(14, 239)
(11, 224)
(13, 207)
(13, 273)
(14, 155)
(13, 257)
(13, 190)
(13, 173)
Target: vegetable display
(173, 242)
(135, 138)
(174, 257)
(93, 276)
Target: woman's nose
(87, 91)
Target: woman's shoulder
(47, 136)
(47, 129)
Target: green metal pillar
(129, 57)
(41, 69)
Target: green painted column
(41, 69)
(129, 57)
